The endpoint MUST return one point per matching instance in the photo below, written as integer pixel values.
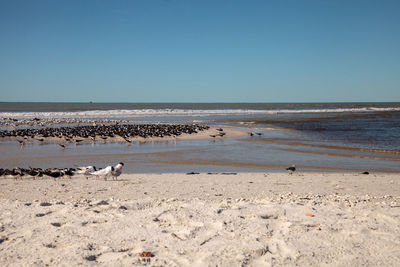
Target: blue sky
(200, 51)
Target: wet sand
(224, 219)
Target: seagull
(291, 169)
(107, 171)
(117, 170)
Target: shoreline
(202, 220)
(256, 184)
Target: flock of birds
(109, 171)
(44, 122)
(104, 132)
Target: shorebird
(88, 170)
(17, 172)
(35, 172)
(291, 169)
(61, 145)
(21, 143)
(107, 171)
(117, 170)
(55, 173)
(68, 172)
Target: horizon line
(300, 102)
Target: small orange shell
(146, 254)
(310, 215)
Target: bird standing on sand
(291, 169)
(107, 171)
(85, 170)
(117, 170)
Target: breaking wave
(132, 113)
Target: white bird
(107, 171)
(85, 170)
(117, 170)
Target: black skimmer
(291, 169)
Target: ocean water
(313, 136)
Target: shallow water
(314, 137)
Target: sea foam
(132, 113)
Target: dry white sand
(252, 219)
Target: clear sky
(200, 51)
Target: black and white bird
(291, 169)
(117, 170)
(107, 171)
(88, 170)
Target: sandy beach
(206, 219)
(199, 133)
